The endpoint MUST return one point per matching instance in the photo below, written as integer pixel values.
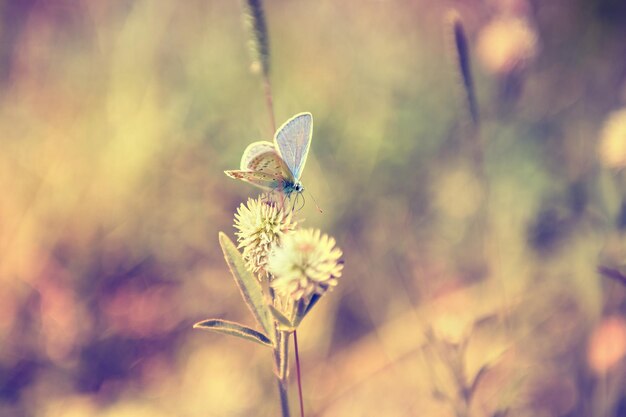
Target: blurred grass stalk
(258, 42)
(462, 63)
(474, 145)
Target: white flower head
(260, 227)
(306, 262)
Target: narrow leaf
(300, 311)
(281, 318)
(234, 329)
(316, 297)
(248, 285)
(303, 309)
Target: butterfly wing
(253, 151)
(260, 179)
(293, 140)
(263, 157)
(262, 166)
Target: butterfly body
(292, 187)
(278, 165)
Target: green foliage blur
(473, 253)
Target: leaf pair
(252, 294)
(302, 309)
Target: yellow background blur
(466, 252)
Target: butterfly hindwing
(263, 157)
(293, 140)
(254, 150)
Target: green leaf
(250, 288)
(234, 329)
(282, 319)
(303, 310)
(300, 311)
(316, 297)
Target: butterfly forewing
(293, 140)
(258, 178)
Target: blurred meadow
(484, 263)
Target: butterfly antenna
(315, 202)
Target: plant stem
(284, 398)
(295, 343)
(281, 358)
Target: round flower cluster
(306, 262)
(260, 227)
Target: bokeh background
(471, 285)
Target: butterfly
(278, 165)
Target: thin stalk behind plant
(295, 347)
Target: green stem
(284, 398)
(281, 358)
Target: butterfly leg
(266, 198)
(303, 201)
(281, 192)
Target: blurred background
(483, 265)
